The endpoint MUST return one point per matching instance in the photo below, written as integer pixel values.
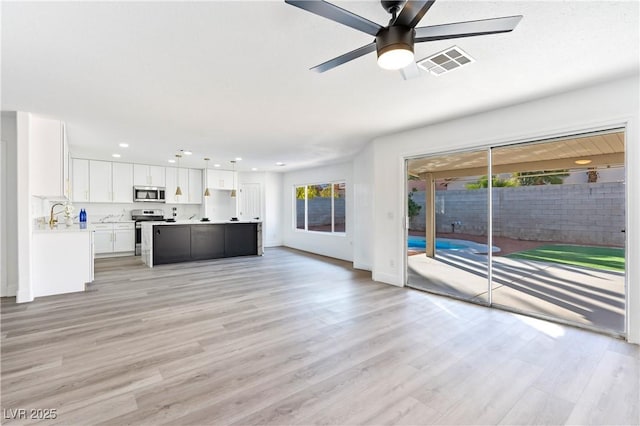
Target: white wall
(16, 207)
(23, 205)
(363, 196)
(3, 216)
(601, 106)
(220, 205)
(273, 213)
(338, 246)
(8, 236)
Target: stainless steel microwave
(154, 194)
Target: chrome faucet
(52, 221)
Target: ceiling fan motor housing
(395, 37)
(392, 6)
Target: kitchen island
(186, 241)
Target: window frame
(332, 184)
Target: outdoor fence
(592, 213)
(320, 211)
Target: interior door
(250, 201)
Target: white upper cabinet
(170, 185)
(190, 182)
(100, 184)
(48, 158)
(156, 176)
(195, 186)
(80, 180)
(122, 182)
(110, 182)
(220, 179)
(140, 174)
(144, 175)
(183, 181)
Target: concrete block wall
(320, 211)
(581, 214)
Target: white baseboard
(387, 279)
(24, 296)
(362, 266)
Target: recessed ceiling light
(253, 169)
(123, 145)
(238, 158)
(115, 155)
(583, 162)
(187, 152)
(171, 161)
(216, 165)
(279, 163)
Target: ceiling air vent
(445, 61)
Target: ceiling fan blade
(467, 29)
(410, 71)
(337, 14)
(412, 12)
(354, 54)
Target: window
(321, 207)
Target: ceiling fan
(394, 43)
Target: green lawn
(607, 258)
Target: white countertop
(197, 222)
(112, 221)
(62, 228)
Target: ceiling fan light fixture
(395, 47)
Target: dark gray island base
(186, 242)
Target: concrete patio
(580, 295)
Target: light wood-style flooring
(293, 338)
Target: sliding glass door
(543, 222)
(560, 230)
(447, 241)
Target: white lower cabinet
(102, 239)
(114, 237)
(124, 238)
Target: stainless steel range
(144, 215)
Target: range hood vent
(445, 61)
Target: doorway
(543, 236)
(250, 201)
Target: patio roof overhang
(603, 149)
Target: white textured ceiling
(227, 79)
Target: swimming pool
(420, 243)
